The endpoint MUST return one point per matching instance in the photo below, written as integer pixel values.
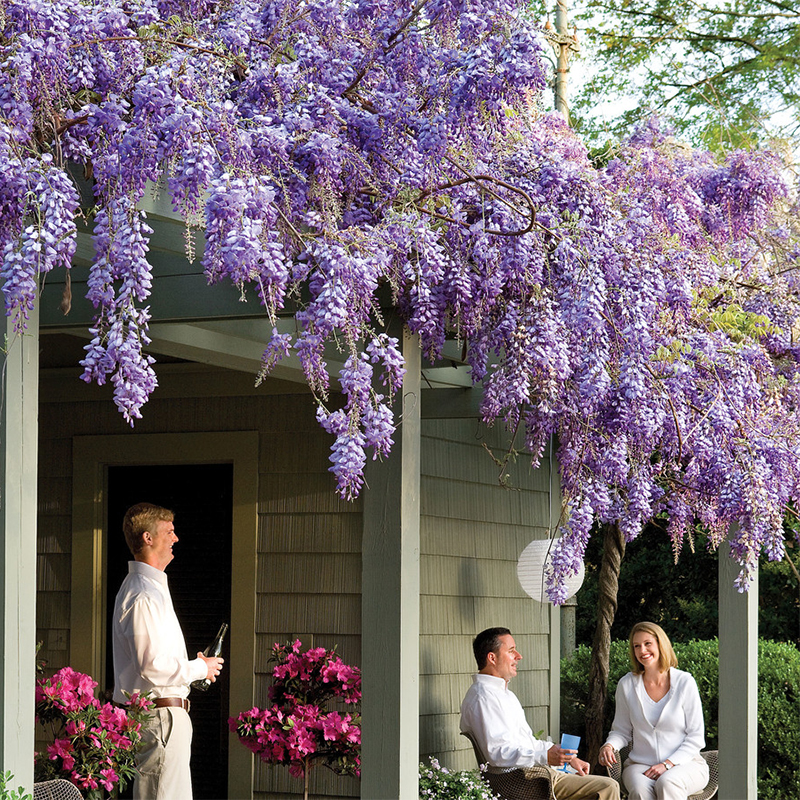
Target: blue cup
(569, 742)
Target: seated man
(492, 713)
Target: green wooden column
(390, 606)
(738, 684)
(18, 466)
(556, 612)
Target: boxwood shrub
(778, 703)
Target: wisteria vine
(643, 312)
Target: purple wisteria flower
(361, 167)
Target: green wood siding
(473, 531)
(308, 571)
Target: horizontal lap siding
(472, 533)
(309, 540)
(309, 545)
(309, 576)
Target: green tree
(681, 595)
(727, 73)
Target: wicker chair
(518, 783)
(711, 757)
(56, 790)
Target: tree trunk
(607, 586)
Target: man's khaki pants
(569, 786)
(163, 761)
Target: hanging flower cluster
(93, 745)
(299, 729)
(349, 159)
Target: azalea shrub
(93, 745)
(299, 729)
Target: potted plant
(299, 729)
(91, 744)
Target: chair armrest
(538, 772)
(521, 783)
(615, 770)
(712, 758)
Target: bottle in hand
(212, 651)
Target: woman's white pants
(675, 784)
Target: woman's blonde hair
(666, 655)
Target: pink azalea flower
(139, 702)
(84, 781)
(333, 725)
(298, 726)
(354, 735)
(109, 778)
(112, 717)
(62, 748)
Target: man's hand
(556, 757)
(214, 666)
(580, 766)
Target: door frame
(91, 458)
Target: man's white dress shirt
(492, 713)
(149, 649)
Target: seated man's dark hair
(486, 642)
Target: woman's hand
(656, 771)
(607, 755)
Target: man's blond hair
(140, 519)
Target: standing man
(493, 715)
(150, 656)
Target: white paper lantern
(532, 566)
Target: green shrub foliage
(682, 596)
(778, 720)
(778, 703)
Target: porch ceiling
(238, 344)
(219, 326)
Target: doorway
(93, 459)
(201, 495)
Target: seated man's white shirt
(492, 713)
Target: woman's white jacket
(679, 734)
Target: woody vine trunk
(608, 584)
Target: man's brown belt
(165, 702)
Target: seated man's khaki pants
(569, 786)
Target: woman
(659, 711)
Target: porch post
(18, 464)
(556, 612)
(390, 605)
(738, 683)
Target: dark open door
(200, 582)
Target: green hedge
(778, 703)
